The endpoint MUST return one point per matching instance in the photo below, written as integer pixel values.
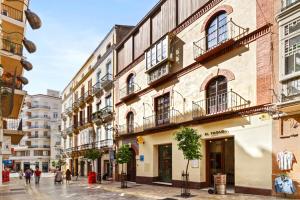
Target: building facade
(41, 145)
(13, 19)
(199, 64)
(286, 122)
(87, 111)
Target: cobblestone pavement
(80, 190)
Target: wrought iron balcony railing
(39, 106)
(11, 12)
(88, 95)
(107, 80)
(222, 103)
(214, 42)
(104, 143)
(39, 126)
(97, 89)
(128, 91)
(103, 113)
(70, 129)
(12, 124)
(129, 129)
(171, 116)
(12, 47)
(39, 117)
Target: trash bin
(92, 178)
(220, 183)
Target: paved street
(80, 190)
(47, 190)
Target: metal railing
(88, 94)
(39, 126)
(104, 143)
(12, 47)
(108, 78)
(231, 31)
(104, 112)
(287, 3)
(291, 90)
(11, 12)
(40, 106)
(225, 102)
(12, 124)
(128, 129)
(38, 146)
(171, 116)
(97, 88)
(159, 73)
(39, 136)
(129, 90)
(39, 116)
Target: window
(82, 91)
(98, 76)
(153, 56)
(108, 46)
(157, 53)
(217, 30)
(108, 131)
(99, 57)
(36, 134)
(292, 55)
(45, 133)
(108, 100)
(98, 134)
(216, 95)
(130, 122)
(162, 108)
(55, 115)
(130, 84)
(108, 67)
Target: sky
(71, 31)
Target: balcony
(75, 105)
(70, 130)
(104, 144)
(39, 136)
(12, 47)
(159, 60)
(97, 90)
(214, 44)
(288, 3)
(39, 107)
(81, 101)
(13, 128)
(85, 147)
(225, 103)
(88, 96)
(129, 92)
(11, 12)
(103, 116)
(158, 120)
(39, 146)
(84, 123)
(129, 129)
(107, 81)
(69, 111)
(39, 117)
(39, 127)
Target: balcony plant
(189, 143)
(123, 157)
(92, 154)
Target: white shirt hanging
(285, 160)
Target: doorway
(165, 163)
(131, 167)
(220, 159)
(26, 165)
(82, 168)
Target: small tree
(189, 143)
(92, 154)
(123, 155)
(53, 163)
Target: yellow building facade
(207, 68)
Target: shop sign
(142, 158)
(140, 140)
(216, 133)
(195, 163)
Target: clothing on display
(285, 160)
(284, 184)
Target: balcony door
(130, 122)
(216, 100)
(217, 30)
(162, 108)
(130, 84)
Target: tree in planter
(123, 157)
(92, 154)
(189, 143)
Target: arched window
(130, 84)
(130, 122)
(108, 46)
(216, 95)
(217, 30)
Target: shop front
(240, 148)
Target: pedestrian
(68, 176)
(58, 177)
(37, 175)
(28, 175)
(21, 174)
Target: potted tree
(123, 157)
(189, 143)
(92, 154)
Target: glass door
(165, 163)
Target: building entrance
(220, 159)
(165, 163)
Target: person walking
(68, 176)
(58, 177)
(37, 175)
(21, 174)
(28, 175)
